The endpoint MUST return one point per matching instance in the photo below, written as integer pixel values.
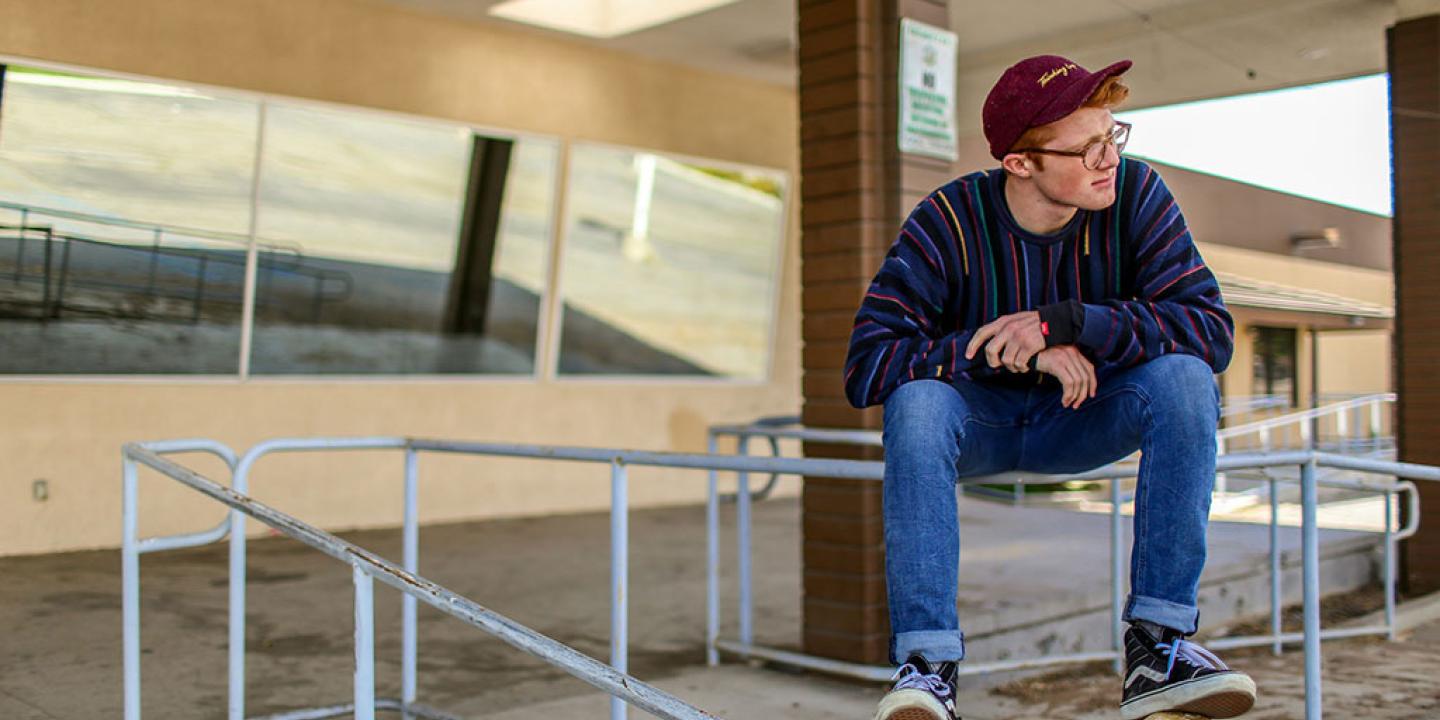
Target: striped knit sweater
(961, 260)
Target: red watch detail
(1045, 328)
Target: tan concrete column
(1414, 62)
(856, 188)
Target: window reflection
(670, 268)
(419, 247)
(386, 245)
(101, 181)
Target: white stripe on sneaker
(1145, 672)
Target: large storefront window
(406, 247)
(383, 245)
(670, 268)
(100, 181)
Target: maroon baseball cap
(1037, 91)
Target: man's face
(1065, 180)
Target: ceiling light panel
(601, 18)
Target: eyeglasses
(1093, 153)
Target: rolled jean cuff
(1185, 618)
(933, 645)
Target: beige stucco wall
(365, 53)
(1351, 361)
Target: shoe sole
(1226, 695)
(911, 705)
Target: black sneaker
(1172, 673)
(920, 693)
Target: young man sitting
(1051, 315)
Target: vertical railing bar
(619, 579)
(742, 531)
(64, 275)
(20, 245)
(364, 644)
(1389, 565)
(236, 648)
(712, 560)
(1222, 481)
(1117, 569)
(1276, 594)
(408, 639)
(49, 261)
(1310, 538)
(130, 589)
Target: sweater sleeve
(1176, 305)
(905, 328)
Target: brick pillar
(856, 187)
(1414, 62)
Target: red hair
(1111, 93)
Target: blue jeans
(936, 432)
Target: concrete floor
(60, 657)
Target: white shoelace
(1191, 653)
(909, 676)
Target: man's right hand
(1076, 373)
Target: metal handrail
(122, 222)
(770, 427)
(366, 567)
(1309, 461)
(1307, 414)
(1252, 403)
(52, 304)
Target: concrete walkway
(60, 657)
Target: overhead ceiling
(1183, 49)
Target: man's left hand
(1009, 341)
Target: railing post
(1222, 483)
(1375, 421)
(1389, 565)
(130, 589)
(712, 561)
(742, 531)
(364, 644)
(1342, 427)
(619, 578)
(1117, 569)
(236, 647)
(1310, 541)
(64, 276)
(20, 246)
(412, 565)
(1277, 598)
(49, 261)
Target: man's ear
(1017, 164)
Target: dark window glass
(1273, 370)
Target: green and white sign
(927, 90)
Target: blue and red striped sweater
(961, 260)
